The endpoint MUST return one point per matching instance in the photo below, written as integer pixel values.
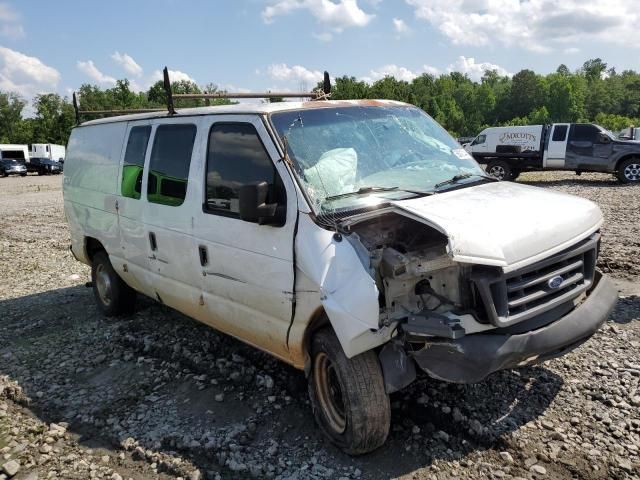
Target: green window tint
(169, 164)
(134, 161)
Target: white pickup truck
(579, 147)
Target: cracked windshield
(353, 156)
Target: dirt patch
(157, 395)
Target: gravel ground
(157, 395)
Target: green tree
(11, 107)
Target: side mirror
(252, 203)
(604, 138)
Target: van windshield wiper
(462, 176)
(363, 190)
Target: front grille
(530, 291)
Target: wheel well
(626, 157)
(318, 321)
(92, 246)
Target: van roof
(248, 108)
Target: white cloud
(463, 65)
(435, 71)
(475, 71)
(571, 50)
(536, 25)
(174, 76)
(336, 14)
(400, 73)
(25, 75)
(282, 72)
(400, 26)
(127, 63)
(323, 37)
(10, 25)
(91, 71)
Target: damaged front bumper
(471, 358)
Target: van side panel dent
(347, 291)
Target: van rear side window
(134, 161)
(169, 164)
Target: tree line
(594, 93)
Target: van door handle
(152, 241)
(204, 255)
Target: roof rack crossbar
(319, 94)
(121, 112)
(195, 96)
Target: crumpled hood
(506, 224)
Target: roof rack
(320, 94)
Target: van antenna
(168, 92)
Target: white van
(354, 240)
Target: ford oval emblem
(555, 282)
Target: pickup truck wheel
(629, 171)
(499, 169)
(113, 296)
(348, 397)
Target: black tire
(5, 174)
(23, 174)
(514, 174)
(113, 296)
(500, 170)
(348, 397)
(629, 170)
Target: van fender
(348, 292)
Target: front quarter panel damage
(348, 293)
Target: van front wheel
(113, 296)
(348, 397)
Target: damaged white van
(354, 240)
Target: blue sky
(285, 44)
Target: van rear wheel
(629, 171)
(113, 296)
(348, 397)
(500, 170)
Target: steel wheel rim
(329, 392)
(103, 284)
(632, 172)
(497, 171)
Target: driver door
(246, 268)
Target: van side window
(169, 164)
(559, 133)
(235, 157)
(480, 139)
(134, 162)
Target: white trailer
(14, 151)
(48, 150)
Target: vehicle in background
(464, 140)
(9, 166)
(14, 151)
(579, 147)
(631, 133)
(43, 166)
(355, 240)
(48, 150)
